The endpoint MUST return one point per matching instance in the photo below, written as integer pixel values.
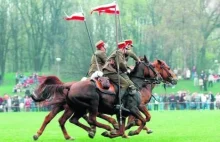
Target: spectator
(212, 100)
(217, 101)
(205, 80)
(210, 80)
(195, 79)
(204, 101)
(182, 101)
(27, 103)
(156, 101)
(188, 74)
(172, 102)
(201, 84)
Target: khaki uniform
(110, 69)
(131, 54)
(101, 59)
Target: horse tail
(48, 91)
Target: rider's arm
(132, 55)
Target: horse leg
(130, 123)
(135, 111)
(66, 115)
(47, 120)
(144, 110)
(75, 120)
(119, 132)
(109, 119)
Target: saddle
(104, 85)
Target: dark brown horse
(146, 93)
(83, 96)
(58, 104)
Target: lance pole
(90, 40)
(116, 40)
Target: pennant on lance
(102, 8)
(111, 11)
(75, 16)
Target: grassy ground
(168, 126)
(187, 85)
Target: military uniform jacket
(112, 62)
(101, 59)
(131, 54)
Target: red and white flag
(75, 16)
(104, 7)
(111, 11)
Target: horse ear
(145, 59)
(159, 61)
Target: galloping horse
(168, 77)
(83, 96)
(58, 103)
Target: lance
(90, 40)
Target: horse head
(145, 70)
(166, 73)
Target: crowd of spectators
(183, 100)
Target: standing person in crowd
(15, 104)
(200, 83)
(217, 101)
(172, 101)
(166, 102)
(182, 100)
(205, 81)
(195, 79)
(210, 80)
(204, 101)
(212, 100)
(99, 57)
(156, 101)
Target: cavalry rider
(129, 52)
(100, 55)
(110, 70)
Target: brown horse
(146, 93)
(83, 96)
(58, 104)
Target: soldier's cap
(99, 44)
(121, 45)
(129, 42)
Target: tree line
(33, 33)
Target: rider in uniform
(100, 55)
(110, 70)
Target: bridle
(168, 73)
(149, 80)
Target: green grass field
(168, 126)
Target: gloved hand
(128, 71)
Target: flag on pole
(111, 11)
(75, 16)
(104, 7)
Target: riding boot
(121, 106)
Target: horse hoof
(105, 134)
(149, 131)
(91, 134)
(70, 139)
(113, 132)
(131, 133)
(35, 137)
(125, 136)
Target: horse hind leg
(47, 120)
(66, 115)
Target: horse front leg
(130, 123)
(145, 111)
(66, 115)
(119, 132)
(109, 119)
(47, 120)
(135, 111)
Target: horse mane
(135, 68)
